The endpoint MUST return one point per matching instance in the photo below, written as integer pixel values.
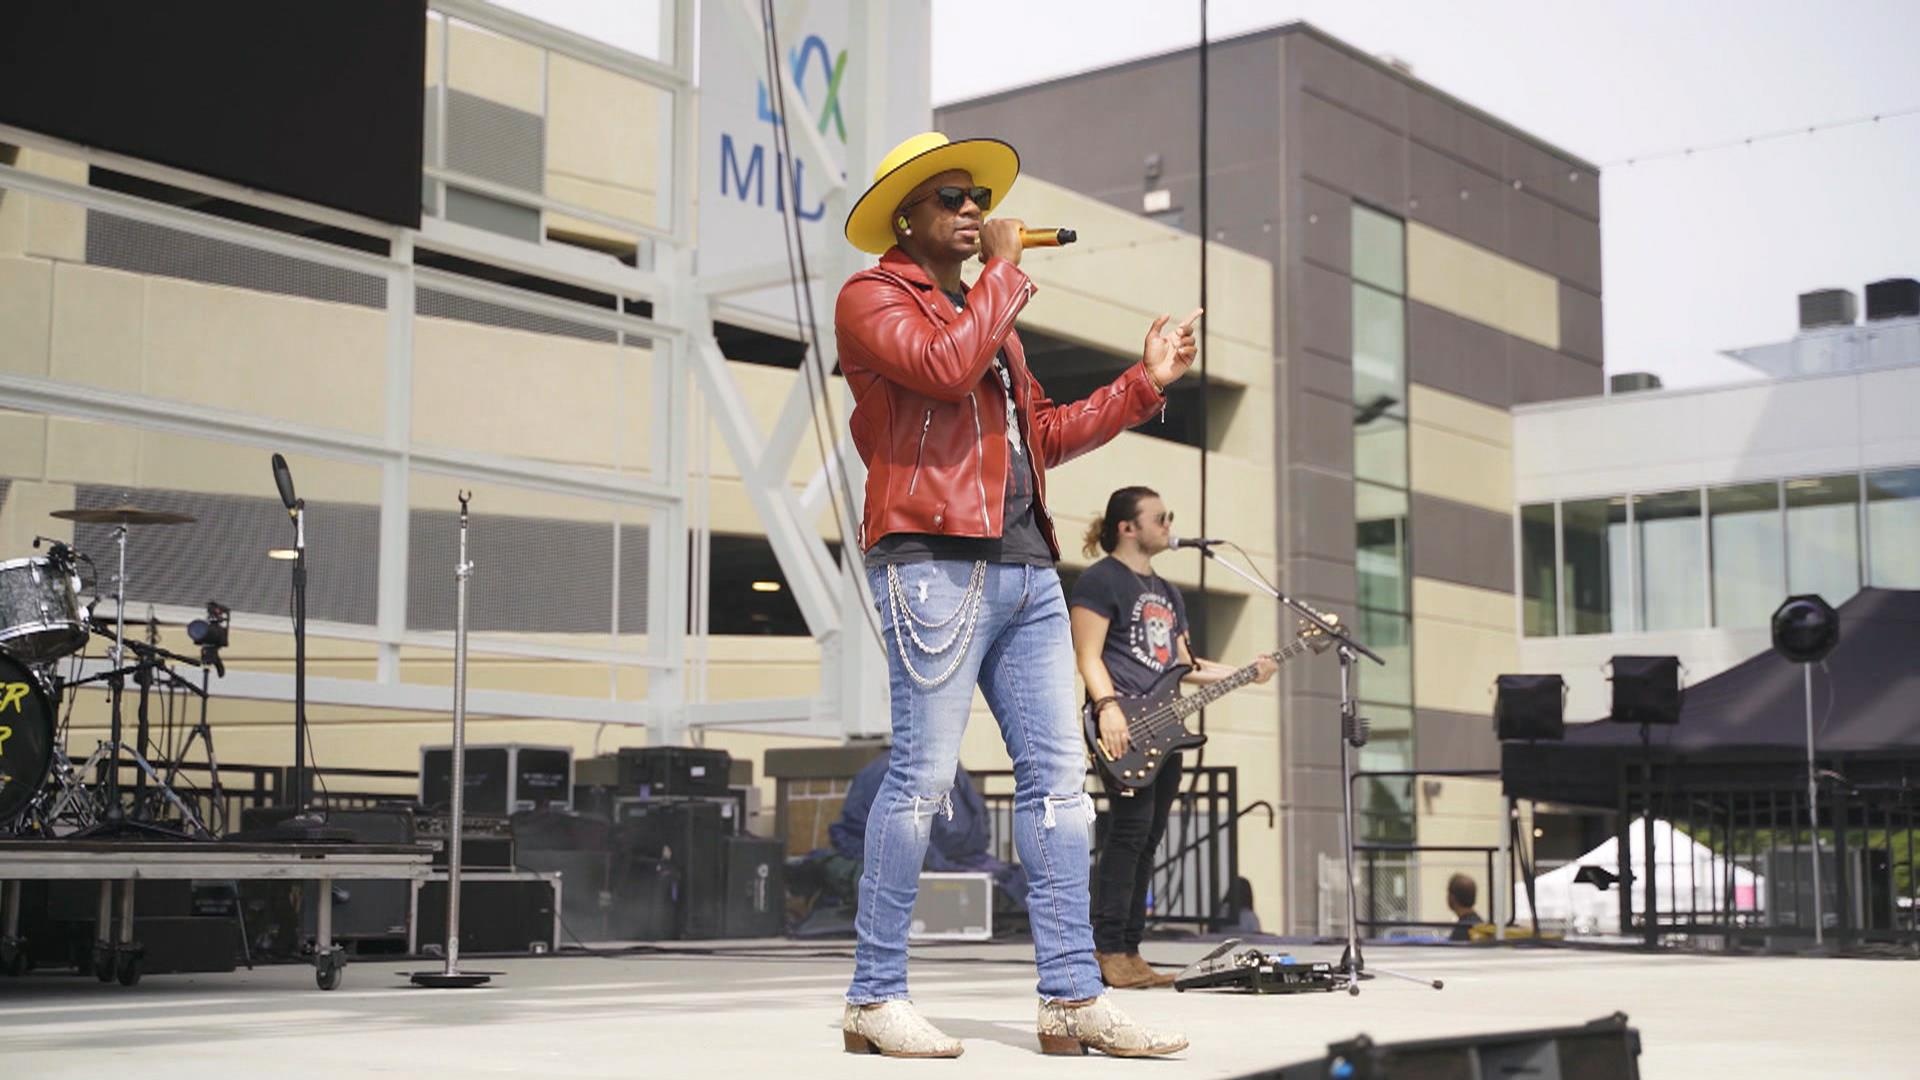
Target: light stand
(1805, 629)
(1353, 735)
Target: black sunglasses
(953, 198)
(1165, 517)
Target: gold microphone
(1033, 238)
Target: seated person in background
(1461, 894)
(961, 831)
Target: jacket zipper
(980, 460)
(920, 451)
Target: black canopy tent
(1866, 707)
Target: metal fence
(1198, 863)
(1755, 885)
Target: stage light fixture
(1646, 689)
(283, 554)
(1529, 707)
(766, 586)
(1805, 629)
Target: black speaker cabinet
(1646, 689)
(756, 888)
(690, 837)
(1606, 1049)
(1530, 707)
(655, 771)
(500, 779)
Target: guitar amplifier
(486, 843)
(501, 779)
(756, 896)
(953, 907)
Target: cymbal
(125, 514)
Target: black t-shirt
(1146, 617)
(1020, 540)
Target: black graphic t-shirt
(1145, 618)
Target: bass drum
(26, 739)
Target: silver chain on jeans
(968, 614)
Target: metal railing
(1198, 863)
(1376, 860)
(1746, 873)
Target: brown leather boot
(1117, 971)
(1152, 976)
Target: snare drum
(40, 615)
(26, 737)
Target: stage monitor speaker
(1646, 689)
(1530, 707)
(1606, 1049)
(1893, 298)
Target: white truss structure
(852, 694)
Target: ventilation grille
(531, 575)
(143, 248)
(223, 555)
(433, 303)
(495, 142)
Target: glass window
(1380, 449)
(1673, 593)
(1379, 246)
(1379, 352)
(1381, 550)
(1823, 536)
(1893, 528)
(1594, 559)
(1749, 565)
(1539, 584)
(1391, 635)
(1384, 805)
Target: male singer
(957, 436)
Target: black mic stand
(306, 824)
(1353, 735)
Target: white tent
(1689, 877)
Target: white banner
(848, 93)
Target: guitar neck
(1212, 692)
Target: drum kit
(44, 623)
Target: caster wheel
(1353, 991)
(328, 971)
(126, 968)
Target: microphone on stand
(1033, 238)
(283, 479)
(1192, 542)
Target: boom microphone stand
(1353, 735)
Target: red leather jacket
(928, 417)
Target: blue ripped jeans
(1001, 627)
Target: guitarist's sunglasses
(1164, 517)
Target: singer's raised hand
(1000, 239)
(1170, 352)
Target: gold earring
(902, 220)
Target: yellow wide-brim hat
(993, 164)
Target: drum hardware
(151, 659)
(211, 634)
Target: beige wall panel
(436, 39)
(13, 222)
(496, 68)
(184, 463)
(26, 301)
(491, 389)
(23, 445)
(1454, 664)
(277, 356)
(54, 229)
(82, 452)
(25, 517)
(1453, 413)
(1486, 609)
(603, 128)
(1476, 284)
(99, 327)
(1460, 467)
(1258, 760)
(1456, 812)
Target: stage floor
(772, 1010)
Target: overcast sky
(1701, 253)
